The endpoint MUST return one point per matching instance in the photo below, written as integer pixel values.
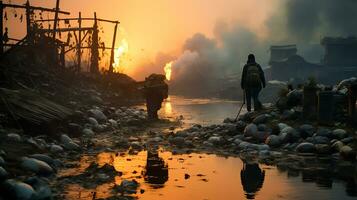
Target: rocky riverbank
(32, 167)
(42, 166)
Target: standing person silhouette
(252, 82)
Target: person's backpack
(253, 76)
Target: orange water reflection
(202, 176)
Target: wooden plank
(83, 19)
(66, 29)
(34, 8)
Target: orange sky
(152, 26)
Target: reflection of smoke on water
(252, 178)
(156, 170)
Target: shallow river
(201, 111)
(211, 177)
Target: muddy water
(202, 176)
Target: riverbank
(85, 163)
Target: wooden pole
(94, 67)
(1, 29)
(55, 20)
(28, 19)
(113, 46)
(62, 56)
(79, 43)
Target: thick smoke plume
(206, 64)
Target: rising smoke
(206, 63)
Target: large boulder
(305, 147)
(88, 132)
(347, 140)
(289, 134)
(347, 153)
(244, 145)
(282, 126)
(306, 130)
(98, 114)
(65, 138)
(42, 157)
(54, 148)
(250, 130)
(41, 187)
(14, 137)
(93, 121)
(71, 146)
(339, 134)
(68, 143)
(337, 145)
(273, 141)
(17, 190)
(260, 119)
(36, 166)
(113, 123)
(216, 140)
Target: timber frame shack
(37, 35)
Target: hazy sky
(152, 26)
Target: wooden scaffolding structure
(94, 47)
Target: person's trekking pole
(241, 107)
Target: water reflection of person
(156, 170)
(252, 178)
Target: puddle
(202, 176)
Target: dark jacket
(244, 74)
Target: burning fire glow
(168, 70)
(119, 55)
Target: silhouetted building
(295, 67)
(285, 64)
(340, 60)
(280, 53)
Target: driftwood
(29, 107)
